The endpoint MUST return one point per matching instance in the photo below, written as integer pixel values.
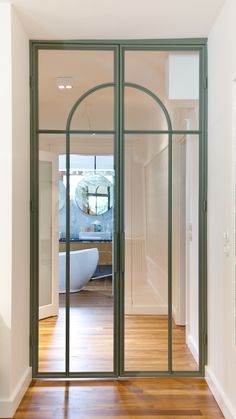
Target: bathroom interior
(63, 77)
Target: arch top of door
(111, 84)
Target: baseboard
(193, 348)
(9, 406)
(225, 405)
(149, 309)
(174, 314)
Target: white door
(48, 235)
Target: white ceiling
(117, 19)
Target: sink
(94, 235)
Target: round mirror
(93, 195)
(62, 195)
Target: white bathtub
(83, 264)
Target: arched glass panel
(142, 112)
(96, 111)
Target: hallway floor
(121, 399)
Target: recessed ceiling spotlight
(64, 83)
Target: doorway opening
(118, 209)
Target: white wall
(14, 211)
(221, 369)
(6, 203)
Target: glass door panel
(51, 348)
(142, 112)
(146, 252)
(185, 245)
(92, 184)
(79, 336)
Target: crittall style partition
(118, 208)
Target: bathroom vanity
(104, 248)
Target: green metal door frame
(119, 48)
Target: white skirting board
(193, 347)
(9, 406)
(225, 405)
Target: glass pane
(45, 233)
(185, 276)
(91, 248)
(146, 252)
(51, 304)
(96, 111)
(171, 75)
(65, 75)
(142, 112)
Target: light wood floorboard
(120, 399)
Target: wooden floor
(121, 399)
(91, 342)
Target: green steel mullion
(101, 43)
(127, 374)
(200, 209)
(34, 165)
(153, 96)
(202, 212)
(170, 253)
(101, 374)
(67, 340)
(74, 131)
(77, 46)
(90, 374)
(32, 217)
(110, 132)
(187, 132)
(200, 205)
(204, 228)
(155, 374)
(162, 48)
(121, 212)
(36, 219)
(116, 218)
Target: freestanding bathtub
(83, 264)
